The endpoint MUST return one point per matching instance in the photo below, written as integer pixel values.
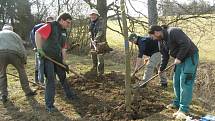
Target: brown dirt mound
(104, 99)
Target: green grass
(200, 30)
(33, 109)
(22, 108)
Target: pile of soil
(103, 98)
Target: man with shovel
(149, 52)
(99, 44)
(12, 51)
(175, 42)
(51, 43)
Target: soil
(103, 98)
(98, 99)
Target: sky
(140, 5)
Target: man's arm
(100, 33)
(64, 55)
(41, 35)
(141, 61)
(138, 63)
(164, 56)
(38, 40)
(32, 37)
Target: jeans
(39, 68)
(50, 70)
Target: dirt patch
(104, 99)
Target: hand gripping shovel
(142, 84)
(63, 66)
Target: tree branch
(136, 10)
(90, 3)
(115, 30)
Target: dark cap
(132, 36)
(154, 28)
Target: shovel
(28, 81)
(63, 66)
(140, 85)
(145, 62)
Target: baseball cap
(154, 28)
(94, 11)
(132, 36)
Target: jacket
(10, 42)
(147, 46)
(177, 44)
(97, 30)
(55, 42)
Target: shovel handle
(145, 62)
(63, 66)
(28, 80)
(156, 75)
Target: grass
(22, 108)
(200, 30)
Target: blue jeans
(183, 81)
(39, 68)
(50, 70)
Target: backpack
(32, 34)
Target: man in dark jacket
(99, 44)
(51, 42)
(149, 51)
(176, 43)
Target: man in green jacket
(51, 42)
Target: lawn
(102, 99)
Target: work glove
(41, 52)
(67, 68)
(35, 49)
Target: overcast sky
(141, 5)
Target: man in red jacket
(51, 42)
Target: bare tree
(152, 12)
(127, 59)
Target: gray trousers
(15, 60)
(154, 63)
(98, 63)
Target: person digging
(148, 51)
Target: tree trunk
(102, 9)
(58, 4)
(152, 12)
(127, 59)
